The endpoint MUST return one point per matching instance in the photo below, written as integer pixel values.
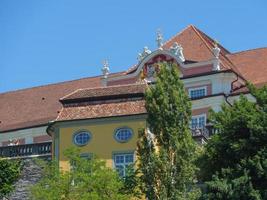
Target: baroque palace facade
(102, 115)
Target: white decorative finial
(140, 57)
(177, 50)
(159, 39)
(216, 52)
(146, 52)
(105, 69)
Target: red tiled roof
(111, 109)
(252, 64)
(244, 89)
(38, 105)
(197, 46)
(106, 91)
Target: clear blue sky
(48, 41)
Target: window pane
(196, 93)
(121, 161)
(82, 138)
(201, 122)
(194, 123)
(123, 134)
(198, 122)
(129, 158)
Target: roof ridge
(70, 93)
(244, 51)
(49, 84)
(210, 39)
(57, 83)
(200, 36)
(200, 33)
(112, 86)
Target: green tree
(234, 163)
(9, 173)
(88, 179)
(167, 156)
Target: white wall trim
(157, 52)
(29, 132)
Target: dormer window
(195, 93)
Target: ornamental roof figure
(142, 55)
(216, 50)
(105, 69)
(159, 39)
(177, 50)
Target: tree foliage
(88, 179)
(9, 173)
(234, 164)
(167, 161)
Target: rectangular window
(195, 93)
(122, 161)
(198, 121)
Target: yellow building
(104, 118)
(100, 121)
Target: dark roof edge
(208, 73)
(99, 98)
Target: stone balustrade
(26, 150)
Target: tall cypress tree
(167, 156)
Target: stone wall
(31, 174)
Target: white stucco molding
(155, 53)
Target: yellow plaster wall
(102, 142)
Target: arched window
(81, 138)
(123, 134)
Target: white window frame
(197, 117)
(197, 88)
(122, 164)
(123, 128)
(80, 132)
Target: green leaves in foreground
(88, 179)
(234, 164)
(167, 156)
(9, 173)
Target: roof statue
(105, 69)
(177, 50)
(216, 52)
(146, 52)
(159, 39)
